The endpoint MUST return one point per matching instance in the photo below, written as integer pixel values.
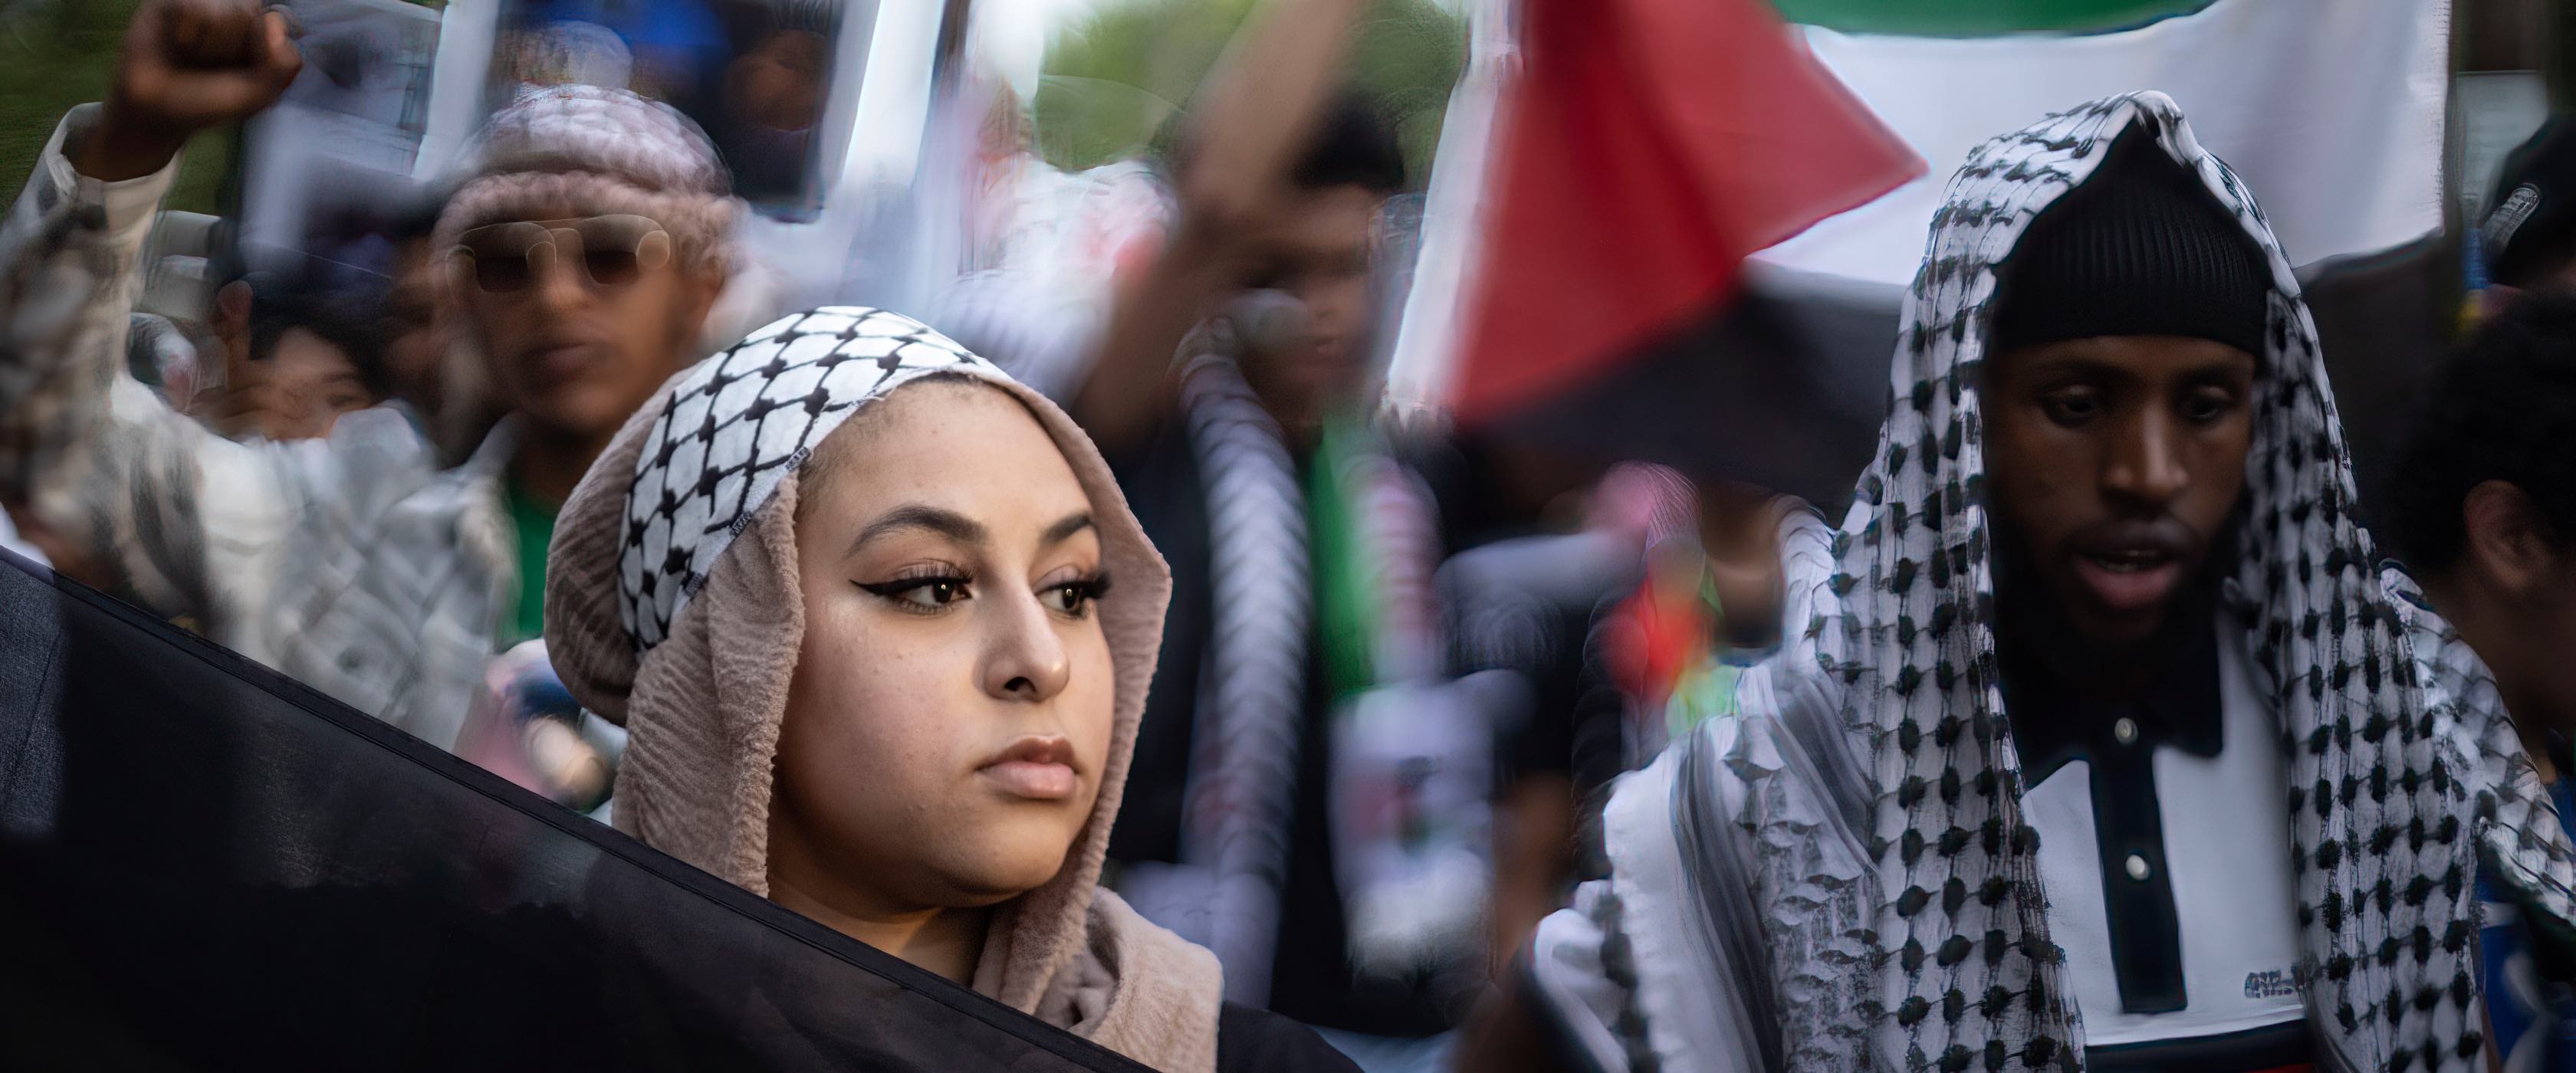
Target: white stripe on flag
(1429, 330)
(2331, 110)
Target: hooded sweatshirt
(673, 609)
(1845, 878)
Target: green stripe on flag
(1980, 18)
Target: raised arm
(94, 457)
(1253, 116)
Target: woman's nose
(1024, 659)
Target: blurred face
(412, 342)
(779, 85)
(2115, 462)
(310, 383)
(949, 718)
(583, 332)
(1320, 255)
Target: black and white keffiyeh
(2518, 829)
(740, 422)
(1926, 945)
(1240, 798)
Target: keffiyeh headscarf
(1935, 952)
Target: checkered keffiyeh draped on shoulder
(738, 423)
(2518, 830)
(1960, 972)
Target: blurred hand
(187, 65)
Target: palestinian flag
(2332, 110)
(1646, 147)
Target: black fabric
(1160, 477)
(1312, 978)
(1599, 733)
(204, 865)
(2271, 1047)
(1258, 1041)
(2138, 249)
(1779, 392)
(2530, 227)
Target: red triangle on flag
(1645, 149)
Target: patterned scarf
(737, 424)
(1948, 964)
(1238, 807)
(2526, 849)
(1410, 848)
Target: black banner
(205, 865)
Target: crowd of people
(1169, 691)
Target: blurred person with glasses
(584, 244)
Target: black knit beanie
(2140, 248)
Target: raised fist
(187, 65)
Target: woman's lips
(1032, 780)
(1039, 769)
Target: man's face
(2115, 462)
(1319, 254)
(578, 355)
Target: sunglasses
(612, 250)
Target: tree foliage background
(58, 53)
(1113, 81)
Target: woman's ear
(2505, 541)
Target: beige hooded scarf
(673, 609)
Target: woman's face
(950, 713)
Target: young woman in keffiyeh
(2140, 777)
(880, 626)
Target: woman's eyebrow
(1064, 530)
(947, 523)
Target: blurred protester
(591, 235)
(294, 361)
(2486, 521)
(665, 50)
(1706, 606)
(1521, 606)
(1300, 805)
(2127, 523)
(880, 625)
(773, 96)
(2529, 235)
(413, 345)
